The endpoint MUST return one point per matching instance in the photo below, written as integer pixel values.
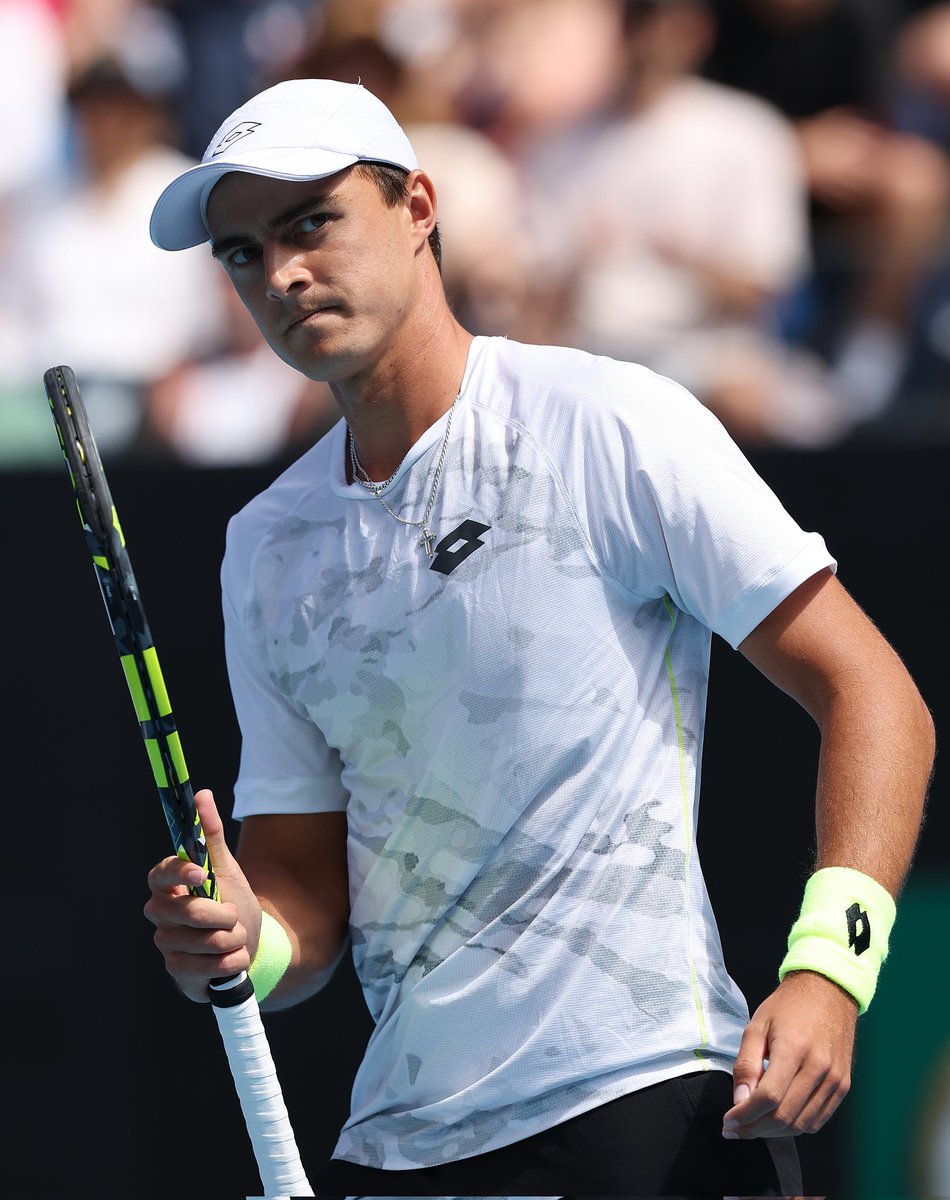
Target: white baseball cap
(299, 129)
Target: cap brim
(177, 221)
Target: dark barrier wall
(116, 1083)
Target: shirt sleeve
(673, 506)
(286, 764)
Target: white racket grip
(255, 1080)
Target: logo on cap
(234, 135)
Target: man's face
(324, 267)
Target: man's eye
(241, 257)
(312, 222)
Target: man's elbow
(331, 953)
(926, 735)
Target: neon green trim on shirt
(699, 1051)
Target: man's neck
(405, 393)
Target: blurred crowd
(750, 196)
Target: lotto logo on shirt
(456, 546)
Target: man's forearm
(318, 941)
(877, 737)
(297, 867)
(877, 752)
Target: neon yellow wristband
(842, 931)
(272, 958)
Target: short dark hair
(391, 182)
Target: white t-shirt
(514, 731)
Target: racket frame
(233, 1000)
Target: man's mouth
(301, 317)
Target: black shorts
(665, 1140)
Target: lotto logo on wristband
(817, 939)
(859, 941)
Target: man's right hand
(202, 939)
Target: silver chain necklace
(361, 477)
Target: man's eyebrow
(222, 245)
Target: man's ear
(421, 203)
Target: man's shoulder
(305, 483)
(564, 374)
(592, 413)
(534, 384)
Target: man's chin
(324, 363)
(315, 357)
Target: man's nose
(285, 270)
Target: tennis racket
(232, 999)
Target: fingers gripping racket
(233, 1000)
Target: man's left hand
(805, 1030)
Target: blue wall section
(91, 1012)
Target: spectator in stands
(683, 222)
(99, 296)
(92, 27)
(535, 67)
(32, 85)
(879, 195)
(922, 76)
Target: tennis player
(468, 635)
